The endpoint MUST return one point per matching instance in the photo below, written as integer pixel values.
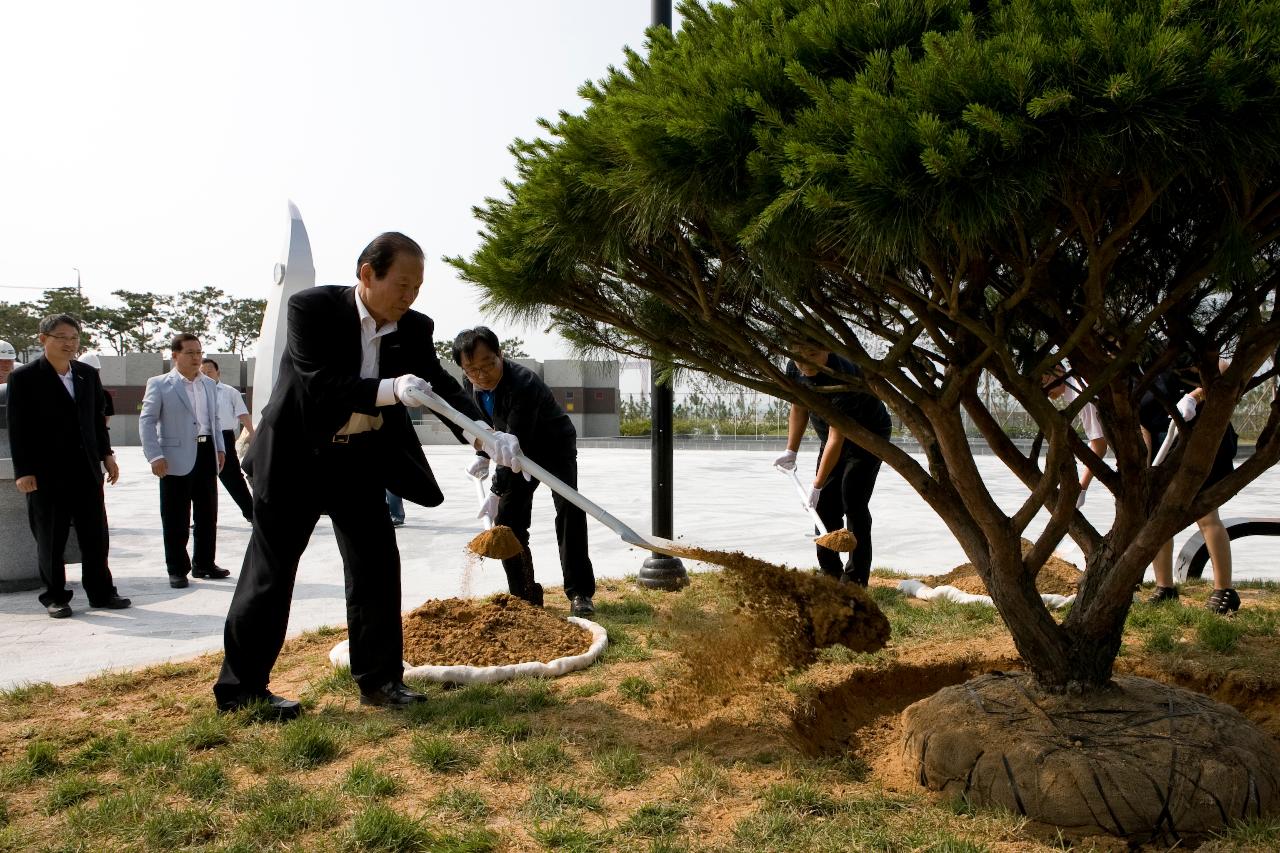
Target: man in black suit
(59, 442)
(333, 438)
(515, 399)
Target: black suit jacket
(52, 436)
(319, 387)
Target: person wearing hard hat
(8, 355)
(92, 359)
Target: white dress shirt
(230, 407)
(371, 347)
(68, 382)
(199, 403)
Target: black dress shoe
(115, 602)
(272, 706)
(393, 694)
(178, 581)
(58, 611)
(582, 607)
(212, 573)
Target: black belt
(201, 439)
(353, 437)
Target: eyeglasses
(66, 339)
(191, 352)
(481, 366)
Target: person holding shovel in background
(516, 400)
(846, 474)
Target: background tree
(513, 348)
(970, 187)
(198, 311)
(19, 325)
(241, 323)
(138, 324)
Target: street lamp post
(660, 571)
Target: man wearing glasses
(60, 446)
(514, 399)
(182, 440)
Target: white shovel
(649, 543)
(488, 524)
(804, 498)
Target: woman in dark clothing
(1173, 389)
(846, 474)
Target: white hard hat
(91, 359)
(7, 350)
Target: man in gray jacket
(182, 440)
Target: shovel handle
(804, 499)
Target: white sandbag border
(916, 589)
(340, 656)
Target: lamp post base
(663, 572)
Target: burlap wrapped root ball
(1140, 760)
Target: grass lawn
(626, 755)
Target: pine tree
(934, 189)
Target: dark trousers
(346, 490)
(515, 510)
(51, 509)
(848, 495)
(194, 492)
(233, 478)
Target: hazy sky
(154, 145)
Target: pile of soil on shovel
(838, 540)
(1057, 577)
(498, 543)
(492, 632)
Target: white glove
(480, 468)
(814, 494)
(787, 461)
(504, 450)
(489, 509)
(1187, 407)
(1080, 500)
(407, 381)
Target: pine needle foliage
(939, 191)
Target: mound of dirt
(498, 542)
(1057, 577)
(1140, 760)
(494, 632)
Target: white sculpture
(296, 273)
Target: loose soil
(838, 540)
(492, 632)
(1056, 577)
(799, 611)
(498, 542)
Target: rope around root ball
(498, 543)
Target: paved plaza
(726, 500)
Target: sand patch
(1056, 577)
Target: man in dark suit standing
(59, 442)
(515, 399)
(333, 438)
